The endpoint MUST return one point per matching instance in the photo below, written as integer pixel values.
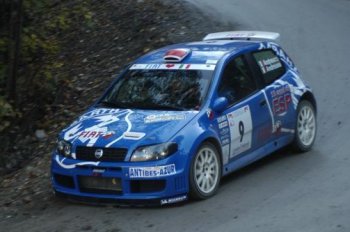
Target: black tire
(207, 171)
(305, 127)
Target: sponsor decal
(211, 61)
(225, 153)
(108, 134)
(222, 118)
(98, 170)
(173, 200)
(223, 124)
(296, 87)
(279, 52)
(102, 112)
(225, 141)
(269, 65)
(149, 172)
(71, 166)
(174, 66)
(163, 117)
(184, 66)
(224, 132)
(101, 121)
(241, 128)
(96, 134)
(281, 99)
(238, 35)
(216, 42)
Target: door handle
(263, 102)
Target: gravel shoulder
(92, 56)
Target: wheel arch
(309, 96)
(212, 140)
(216, 144)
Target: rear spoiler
(244, 35)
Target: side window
(236, 81)
(270, 66)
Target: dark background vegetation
(56, 58)
(32, 36)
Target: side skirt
(257, 154)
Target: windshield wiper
(109, 104)
(139, 105)
(155, 106)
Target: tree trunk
(14, 48)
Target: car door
(245, 124)
(277, 90)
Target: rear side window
(271, 67)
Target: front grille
(100, 185)
(147, 186)
(109, 154)
(111, 169)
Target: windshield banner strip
(174, 66)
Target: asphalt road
(284, 192)
(310, 192)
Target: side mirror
(220, 104)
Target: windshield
(160, 89)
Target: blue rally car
(181, 117)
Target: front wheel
(306, 127)
(205, 172)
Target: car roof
(202, 52)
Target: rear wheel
(306, 127)
(205, 172)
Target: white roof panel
(244, 35)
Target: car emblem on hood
(98, 153)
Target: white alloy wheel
(306, 126)
(205, 172)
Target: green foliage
(42, 33)
(6, 112)
(44, 26)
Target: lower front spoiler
(178, 200)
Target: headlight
(154, 152)
(64, 148)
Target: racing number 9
(241, 130)
(241, 127)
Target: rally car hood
(105, 127)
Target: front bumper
(163, 181)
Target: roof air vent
(176, 55)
